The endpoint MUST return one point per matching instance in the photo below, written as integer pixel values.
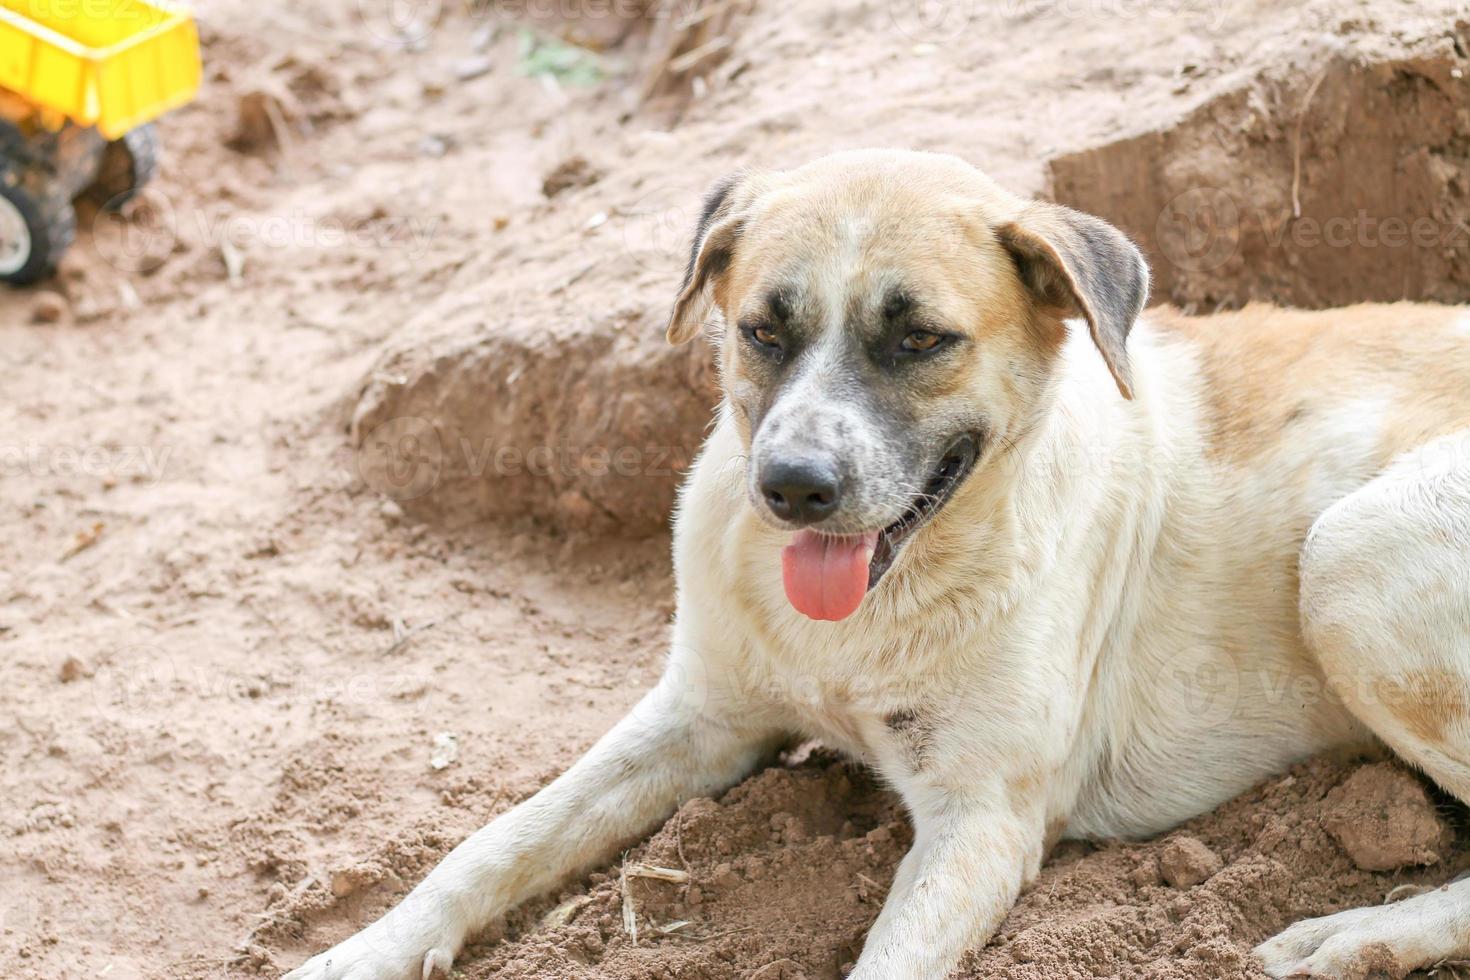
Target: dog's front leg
(956, 884)
(681, 741)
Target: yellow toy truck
(80, 85)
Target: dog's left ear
(1082, 266)
(715, 236)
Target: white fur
(1100, 633)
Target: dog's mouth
(826, 576)
(956, 463)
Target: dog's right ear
(715, 236)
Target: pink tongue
(826, 577)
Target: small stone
(572, 173)
(446, 750)
(1186, 861)
(260, 112)
(1383, 820)
(48, 307)
(575, 507)
(794, 830)
(471, 68)
(724, 877)
(1145, 875)
(565, 912)
(72, 669)
(432, 145)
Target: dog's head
(890, 319)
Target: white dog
(1045, 583)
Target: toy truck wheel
(127, 165)
(35, 228)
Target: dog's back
(1289, 385)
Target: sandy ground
(229, 664)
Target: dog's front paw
(389, 949)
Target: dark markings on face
(864, 377)
(778, 332)
(776, 317)
(863, 392)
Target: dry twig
(401, 639)
(1296, 153)
(657, 874)
(630, 914)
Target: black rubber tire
(49, 219)
(128, 164)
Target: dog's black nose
(801, 490)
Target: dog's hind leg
(1385, 599)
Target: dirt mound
(592, 427)
(1342, 177)
(786, 872)
(1382, 818)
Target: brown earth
(1339, 175)
(302, 455)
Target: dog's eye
(921, 341)
(765, 336)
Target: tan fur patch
(1429, 703)
(1267, 369)
(1023, 788)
